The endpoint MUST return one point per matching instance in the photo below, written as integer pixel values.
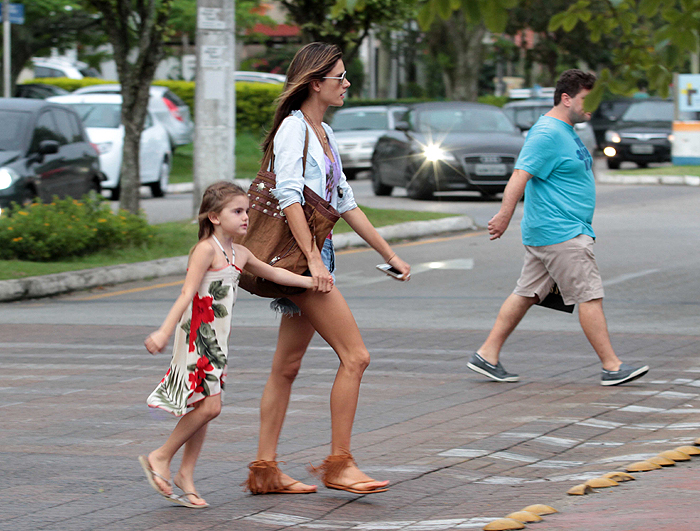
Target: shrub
(68, 227)
(255, 102)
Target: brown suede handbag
(269, 237)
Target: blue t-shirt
(560, 197)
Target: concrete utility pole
(215, 96)
(7, 82)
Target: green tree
(557, 50)
(459, 47)
(48, 24)
(347, 22)
(654, 38)
(136, 29)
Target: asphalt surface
(459, 451)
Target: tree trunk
(461, 46)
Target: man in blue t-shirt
(554, 170)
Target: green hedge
(255, 102)
(68, 227)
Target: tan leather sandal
(331, 470)
(264, 478)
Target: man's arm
(512, 194)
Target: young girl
(201, 321)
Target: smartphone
(390, 270)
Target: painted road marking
(629, 276)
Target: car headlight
(612, 136)
(7, 177)
(104, 147)
(433, 153)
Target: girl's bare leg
(184, 479)
(331, 317)
(187, 428)
(294, 337)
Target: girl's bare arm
(200, 260)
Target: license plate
(496, 170)
(642, 149)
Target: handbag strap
(269, 158)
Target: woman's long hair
(312, 62)
(214, 200)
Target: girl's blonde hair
(214, 199)
(312, 62)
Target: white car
(165, 106)
(101, 116)
(56, 67)
(357, 129)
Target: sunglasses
(340, 78)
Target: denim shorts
(286, 306)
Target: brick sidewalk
(459, 450)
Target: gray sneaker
(495, 372)
(625, 374)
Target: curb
(684, 180)
(47, 285)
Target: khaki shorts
(571, 264)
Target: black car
(39, 91)
(44, 151)
(446, 146)
(606, 116)
(642, 135)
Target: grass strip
(662, 170)
(175, 239)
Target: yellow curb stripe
(133, 290)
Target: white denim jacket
(289, 149)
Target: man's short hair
(572, 82)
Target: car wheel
(159, 187)
(350, 175)
(613, 164)
(419, 187)
(377, 186)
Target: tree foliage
(347, 22)
(491, 13)
(653, 39)
(183, 17)
(136, 29)
(48, 24)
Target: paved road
(459, 451)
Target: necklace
(322, 137)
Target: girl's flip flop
(151, 475)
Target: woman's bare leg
(331, 317)
(294, 337)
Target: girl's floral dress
(198, 366)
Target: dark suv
(44, 151)
(642, 135)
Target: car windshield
(360, 121)
(99, 114)
(14, 123)
(465, 120)
(649, 111)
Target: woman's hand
(402, 266)
(156, 342)
(323, 281)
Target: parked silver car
(525, 113)
(165, 106)
(357, 130)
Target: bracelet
(390, 258)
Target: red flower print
(199, 374)
(202, 312)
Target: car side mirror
(402, 126)
(48, 147)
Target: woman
(315, 81)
